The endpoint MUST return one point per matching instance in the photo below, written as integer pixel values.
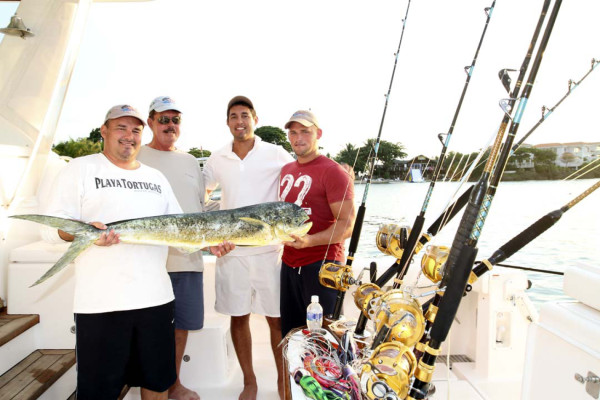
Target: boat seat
(582, 282)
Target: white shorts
(248, 284)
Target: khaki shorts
(248, 284)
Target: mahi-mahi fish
(256, 225)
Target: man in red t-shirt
(326, 191)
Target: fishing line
(445, 179)
(581, 171)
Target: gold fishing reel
(391, 239)
(389, 368)
(364, 297)
(402, 314)
(335, 276)
(433, 262)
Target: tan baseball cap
(123, 110)
(304, 117)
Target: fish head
(292, 221)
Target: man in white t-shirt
(247, 279)
(123, 301)
(185, 270)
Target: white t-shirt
(121, 276)
(184, 175)
(253, 180)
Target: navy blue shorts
(189, 300)
(297, 287)
(133, 347)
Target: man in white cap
(326, 191)
(247, 279)
(185, 270)
(123, 300)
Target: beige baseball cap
(239, 100)
(304, 117)
(123, 110)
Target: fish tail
(71, 226)
(76, 248)
(85, 236)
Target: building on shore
(572, 154)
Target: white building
(572, 154)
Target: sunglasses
(164, 120)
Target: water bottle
(314, 314)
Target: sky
(335, 58)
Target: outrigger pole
(360, 215)
(463, 251)
(400, 266)
(524, 238)
(453, 209)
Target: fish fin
(76, 248)
(189, 250)
(71, 226)
(255, 221)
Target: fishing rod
(453, 209)
(515, 244)
(410, 248)
(360, 215)
(546, 112)
(524, 238)
(463, 251)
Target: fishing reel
(335, 276)
(402, 315)
(391, 239)
(387, 373)
(433, 262)
(365, 296)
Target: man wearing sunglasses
(247, 279)
(186, 270)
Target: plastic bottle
(314, 314)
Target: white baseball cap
(163, 103)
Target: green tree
(77, 148)
(387, 153)
(95, 135)
(568, 158)
(196, 152)
(520, 156)
(347, 155)
(272, 134)
(543, 157)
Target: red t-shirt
(314, 186)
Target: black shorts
(297, 287)
(133, 347)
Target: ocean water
(574, 239)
